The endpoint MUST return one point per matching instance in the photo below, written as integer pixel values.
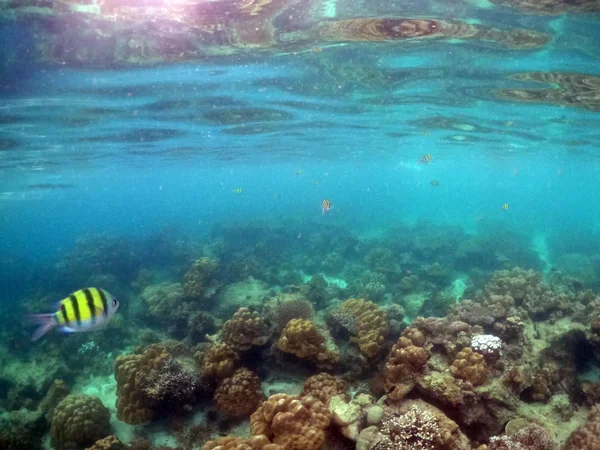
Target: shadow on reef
(422, 338)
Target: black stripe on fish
(104, 303)
(76, 309)
(63, 311)
(90, 302)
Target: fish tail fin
(46, 323)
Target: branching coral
(413, 430)
(323, 386)
(470, 366)
(371, 325)
(302, 338)
(531, 437)
(219, 361)
(245, 329)
(134, 406)
(291, 421)
(173, 384)
(240, 394)
(79, 420)
(285, 307)
(406, 361)
(160, 378)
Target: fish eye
(115, 302)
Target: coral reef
(79, 420)
(245, 330)
(219, 361)
(469, 366)
(240, 394)
(371, 325)
(407, 360)
(323, 386)
(198, 277)
(108, 443)
(291, 421)
(160, 378)
(301, 338)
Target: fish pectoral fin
(67, 330)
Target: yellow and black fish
(85, 310)
(326, 206)
(238, 190)
(299, 172)
(425, 159)
(317, 49)
(435, 183)
(505, 206)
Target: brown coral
(197, 278)
(134, 406)
(302, 338)
(108, 443)
(219, 361)
(323, 386)
(79, 420)
(406, 361)
(245, 329)
(470, 366)
(587, 436)
(371, 325)
(240, 394)
(291, 421)
(237, 443)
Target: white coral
(487, 344)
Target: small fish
(238, 190)
(505, 206)
(435, 183)
(425, 159)
(299, 172)
(326, 206)
(317, 181)
(85, 310)
(317, 49)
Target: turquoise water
(225, 144)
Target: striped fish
(84, 310)
(425, 159)
(505, 206)
(325, 206)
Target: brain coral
(291, 421)
(470, 366)
(219, 361)
(240, 394)
(406, 361)
(371, 325)
(79, 420)
(323, 386)
(237, 443)
(302, 338)
(245, 329)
